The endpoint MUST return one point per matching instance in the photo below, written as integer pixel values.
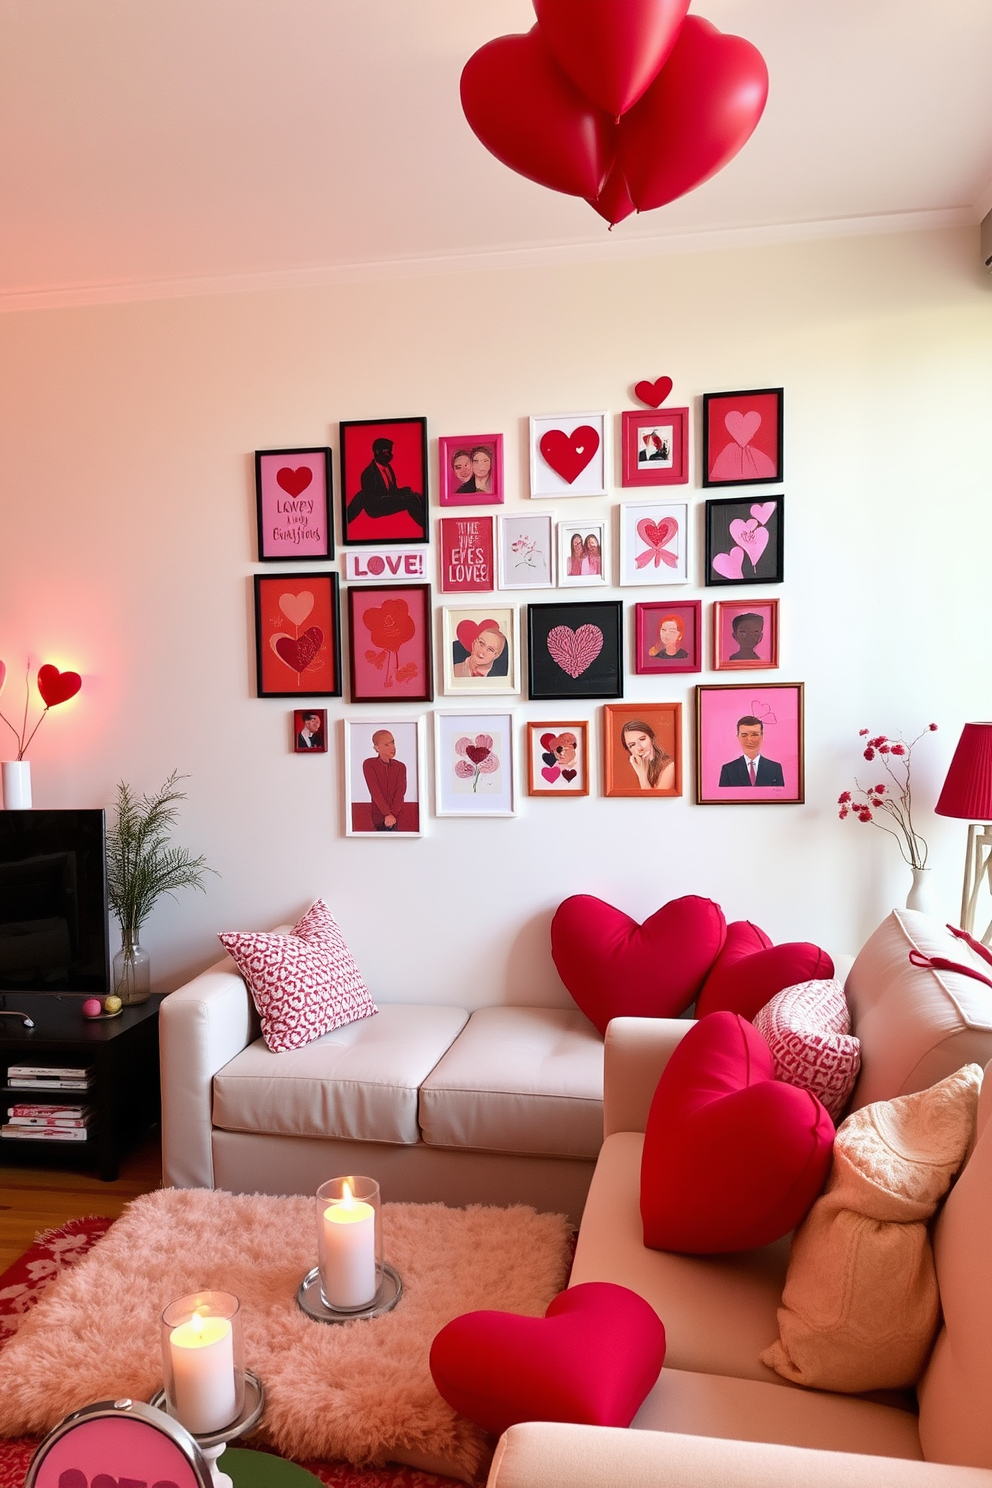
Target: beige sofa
(717, 1414)
(503, 1105)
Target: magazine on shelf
(33, 1108)
(42, 1083)
(50, 1120)
(45, 1133)
(53, 1071)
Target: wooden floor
(35, 1199)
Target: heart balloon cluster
(628, 106)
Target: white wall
(127, 541)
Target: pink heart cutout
(653, 393)
(763, 510)
(550, 773)
(294, 482)
(743, 426)
(296, 607)
(575, 650)
(751, 538)
(569, 454)
(730, 565)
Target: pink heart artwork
(743, 426)
(551, 773)
(752, 539)
(294, 482)
(575, 650)
(763, 510)
(569, 454)
(653, 393)
(763, 711)
(298, 653)
(730, 565)
(657, 536)
(296, 607)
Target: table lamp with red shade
(967, 794)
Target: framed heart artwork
(568, 454)
(297, 635)
(481, 649)
(744, 541)
(668, 637)
(573, 650)
(558, 759)
(742, 437)
(473, 764)
(654, 543)
(293, 504)
(655, 447)
(389, 643)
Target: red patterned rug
(52, 1253)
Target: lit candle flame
(348, 1202)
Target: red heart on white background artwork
(575, 650)
(296, 607)
(750, 537)
(743, 426)
(730, 565)
(294, 482)
(569, 454)
(298, 653)
(763, 511)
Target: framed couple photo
(470, 469)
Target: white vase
(920, 895)
(16, 784)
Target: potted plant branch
(141, 866)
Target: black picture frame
(554, 662)
(742, 437)
(285, 481)
(285, 645)
(371, 513)
(734, 525)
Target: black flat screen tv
(54, 927)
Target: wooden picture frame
(742, 437)
(294, 508)
(390, 650)
(297, 635)
(574, 650)
(642, 749)
(383, 772)
(473, 764)
(383, 481)
(558, 762)
(655, 446)
(745, 540)
(668, 637)
(745, 635)
(734, 718)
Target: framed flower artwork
(389, 643)
(573, 650)
(526, 556)
(642, 750)
(749, 744)
(668, 637)
(297, 635)
(293, 505)
(742, 437)
(481, 649)
(745, 635)
(473, 764)
(654, 542)
(470, 469)
(384, 777)
(568, 454)
(655, 446)
(558, 758)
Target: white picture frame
(469, 637)
(651, 554)
(363, 805)
(466, 782)
(525, 551)
(584, 567)
(566, 453)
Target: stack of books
(37, 1121)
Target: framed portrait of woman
(668, 637)
(470, 469)
(558, 759)
(654, 543)
(481, 649)
(642, 750)
(583, 556)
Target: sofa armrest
(637, 1050)
(201, 1028)
(545, 1454)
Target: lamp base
(977, 867)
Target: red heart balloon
(525, 111)
(615, 967)
(653, 393)
(612, 52)
(294, 482)
(613, 202)
(57, 687)
(569, 454)
(591, 1359)
(700, 110)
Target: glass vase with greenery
(141, 866)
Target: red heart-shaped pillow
(747, 973)
(591, 1359)
(616, 968)
(733, 1158)
(57, 687)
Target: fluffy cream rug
(361, 1391)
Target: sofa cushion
(743, 983)
(916, 1025)
(733, 1158)
(808, 1029)
(360, 1081)
(860, 1305)
(519, 1080)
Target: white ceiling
(155, 146)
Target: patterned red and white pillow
(303, 984)
(808, 1029)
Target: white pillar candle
(203, 1374)
(348, 1277)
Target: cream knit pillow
(860, 1307)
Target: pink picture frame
(745, 635)
(655, 446)
(466, 554)
(390, 643)
(462, 476)
(752, 721)
(656, 649)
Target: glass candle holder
(349, 1242)
(203, 1361)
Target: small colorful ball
(92, 1007)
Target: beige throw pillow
(860, 1307)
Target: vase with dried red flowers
(54, 687)
(889, 804)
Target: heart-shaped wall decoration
(296, 607)
(298, 653)
(614, 967)
(751, 538)
(57, 687)
(294, 482)
(729, 565)
(575, 650)
(591, 1360)
(653, 393)
(657, 536)
(569, 454)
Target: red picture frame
(742, 437)
(745, 635)
(384, 481)
(389, 643)
(297, 635)
(655, 445)
(309, 730)
(466, 554)
(648, 637)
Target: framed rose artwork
(742, 437)
(583, 554)
(383, 777)
(745, 635)
(573, 650)
(568, 454)
(668, 637)
(526, 555)
(749, 744)
(297, 635)
(481, 649)
(389, 644)
(470, 469)
(310, 731)
(384, 481)
(473, 764)
(654, 542)
(744, 541)
(642, 750)
(293, 504)
(558, 759)
(466, 555)
(655, 446)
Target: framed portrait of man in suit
(384, 481)
(749, 744)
